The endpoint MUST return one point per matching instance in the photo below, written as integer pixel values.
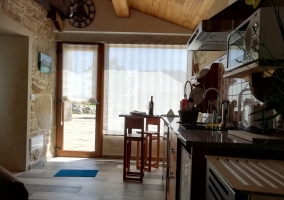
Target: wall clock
(84, 13)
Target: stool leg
(158, 151)
(124, 159)
(142, 160)
(150, 153)
(146, 153)
(129, 156)
(138, 156)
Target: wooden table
(125, 160)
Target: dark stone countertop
(214, 139)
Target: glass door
(79, 111)
(79, 126)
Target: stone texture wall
(31, 16)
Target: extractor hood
(211, 35)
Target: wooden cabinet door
(172, 165)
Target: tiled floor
(108, 183)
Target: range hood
(211, 35)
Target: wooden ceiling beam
(54, 15)
(63, 6)
(121, 8)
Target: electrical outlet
(32, 97)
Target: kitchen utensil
(197, 95)
(223, 124)
(248, 121)
(190, 102)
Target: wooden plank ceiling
(185, 13)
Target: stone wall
(42, 122)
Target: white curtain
(79, 73)
(134, 73)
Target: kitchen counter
(215, 139)
(187, 150)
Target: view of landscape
(79, 130)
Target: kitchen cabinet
(165, 161)
(186, 153)
(172, 167)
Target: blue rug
(76, 173)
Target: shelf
(245, 71)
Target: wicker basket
(188, 115)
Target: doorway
(79, 100)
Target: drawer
(172, 188)
(172, 161)
(173, 136)
(173, 154)
(172, 181)
(173, 149)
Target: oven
(250, 42)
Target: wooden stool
(150, 136)
(129, 137)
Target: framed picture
(44, 63)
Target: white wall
(13, 101)
(15, 59)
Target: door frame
(99, 107)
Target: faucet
(218, 100)
(185, 89)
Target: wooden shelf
(245, 71)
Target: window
(134, 73)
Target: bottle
(223, 124)
(151, 106)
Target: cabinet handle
(171, 175)
(172, 151)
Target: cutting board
(256, 138)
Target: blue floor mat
(76, 173)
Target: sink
(193, 125)
(187, 126)
(199, 125)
